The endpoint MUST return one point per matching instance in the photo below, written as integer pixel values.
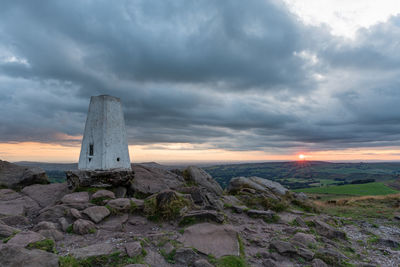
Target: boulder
(46, 195)
(219, 240)
(202, 216)
(52, 214)
(15, 176)
(304, 239)
(202, 179)
(104, 179)
(93, 250)
(96, 213)
(76, 198)
(52, 234)
(133, 249)
(103, 194)
(14, 256)
(16, 204)
(83, 227)
(256, 183)
(120, 204)
(150, 180)
(24, 238)
(6, 231)
(114, 223)
(328, 231)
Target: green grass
(370, 189)
(114, 260)
(46, 245)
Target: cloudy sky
(204, 80)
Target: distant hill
(292, 174)
(302, 174)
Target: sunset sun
(302, 157)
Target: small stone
(115, 223)
(328, 231)
(83, 227)
(74, 198)
(304, 239)
(44, 226)
(282, 247)
(75, 213)
(120, 204)
(138, 202)
(203, 216)
(63, 223)
(185, 256)
(97, 213)
(133, 249)
(52, 234)
(103, 194)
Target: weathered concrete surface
(104, 144)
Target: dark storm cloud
(239, 75)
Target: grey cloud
(225, 74)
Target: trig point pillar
(104, 145)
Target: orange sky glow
(164, 153)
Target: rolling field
(370, 189)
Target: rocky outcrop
(150, 180)
(15, 176)
(256, 183)
(101, 179)
(46, 195)
(202, 179)
(16, 204)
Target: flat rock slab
(46, 195)
(114, 223)
(96, 213)
(16, 204)
(14, 256)
(203, 216)
(93, 250)
(24, 238)
(78, 197)
(218, 240)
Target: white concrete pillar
(104, 144)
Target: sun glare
(302, 157)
